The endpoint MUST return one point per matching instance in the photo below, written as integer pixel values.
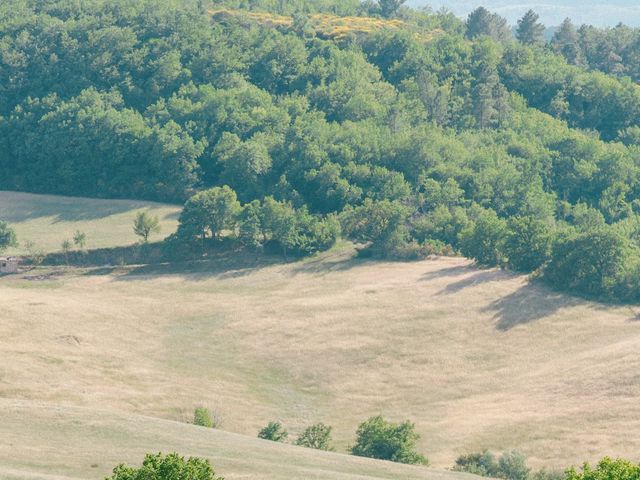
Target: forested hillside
(612, 50)
(413, 133)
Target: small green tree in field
(316, 436)
(7, 237)
(274, 431)
(202, 417)
(145, 224)
(80, 240)
(34, 254)
(377, 438)
(167, 467)
(66, 246)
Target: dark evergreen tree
(481, 22)
(566, 42)
(530, 31)
(389, 8)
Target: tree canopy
(406, 135)
(166, 467)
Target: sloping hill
(477, 358)
(48, 220)
(50, 442)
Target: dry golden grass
(41, 441)
(477, 358)
(48, 220)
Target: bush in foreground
(607, 469)
(166, 467)
(377, 438)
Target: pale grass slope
(477, 358)
(49, 442)
(48, 220)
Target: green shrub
(202, 417)
(607, 469)
(484, 240)
(169, 467)
(483, 464)
(7, 236)
(545, 474)
(595, 263)
(377, 438)
(145, 224)
(274, 431)
(511, 465)
(35, 255)
(378, 224)
(316, 436)
(528, 243)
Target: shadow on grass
(529, 303)
(72, 209)
(635, 314)
(227, 261)
(478, 277)
(473, 276)
(223, 266)
(329, 262)
(454, 271)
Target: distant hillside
(591, 12)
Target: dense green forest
(428, 135)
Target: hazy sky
(552, 13)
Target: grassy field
(49, 220)
(476, 358)
(51, 442)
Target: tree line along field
(506, 149)
(304, 152)
(476, 358)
